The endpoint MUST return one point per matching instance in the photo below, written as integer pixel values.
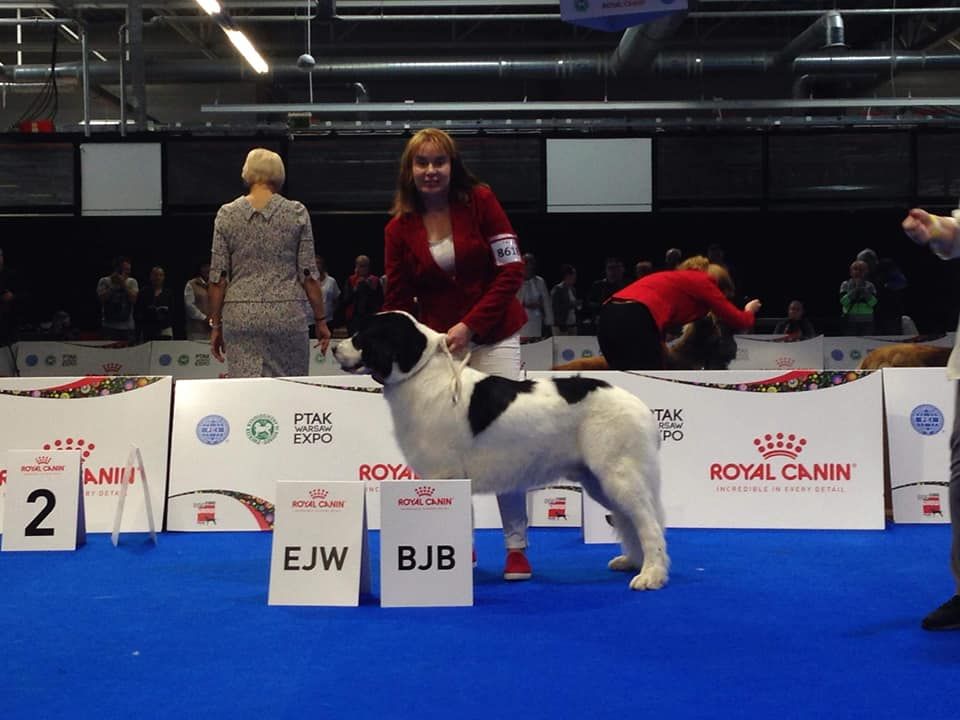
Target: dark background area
(791, 210)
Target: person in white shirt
(331, 289)
(196, 305)
(535, 298)
(942, 235)
(118, 294)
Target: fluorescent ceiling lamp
(241, 43)
(211, 7)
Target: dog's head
(392, 346)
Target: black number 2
(33, 528)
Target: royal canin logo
(785, 362)
(424, 497)
(92, 475)
(778, 445)
(112, 368)
(41, 464)
(386, 471)
(318, 501)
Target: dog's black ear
(376, 354)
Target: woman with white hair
(262, 262)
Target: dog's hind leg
(630, 487)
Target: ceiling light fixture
(211, 7)
(246, 48)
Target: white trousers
(503, 359)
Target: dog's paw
(650, 578)
(621, 562)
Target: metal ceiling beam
(574, 107)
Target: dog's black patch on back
(491, 397)
(575, 389)
(388, 338)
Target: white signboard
(763, 352)
(847, 352)
(57, 359)
(232, 439)
(597, 523)
(44, 501)
(567, 348)
(319, 554)
(185, 359)
(426, 544)
(751, 449)
(919, 403)
(99, 417)
(537, 355)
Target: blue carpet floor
(752, 625)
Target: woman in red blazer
(452, 258)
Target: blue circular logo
(568, 354)
(213, 429)
(32, 360)
(837, 354)
(926, 419)
(165, 359)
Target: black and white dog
(505, 435)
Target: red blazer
(482, 293)
(676, 297)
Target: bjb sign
(614, 15)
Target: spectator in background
(942, 235)
(643, 267)
(118, 294)
(196, 305)
(890, 284)
(331, 295)
(450, 246)
(611, 282)
(263, 244)
(362, 295)
(796, 326)
(857, 299)
(563, 297)
(673, 257)
(154, 310)
(535, 299)
(8, 304)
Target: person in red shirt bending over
(633, 320)
(451, 254)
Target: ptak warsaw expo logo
(926, 419)
(213, 429)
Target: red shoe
(474, 557)
(517, 566)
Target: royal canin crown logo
(780, 452)
(425, 496)
(779, 445)
(318, 501)
(785, 362)
(84, 447)
(43, 459)
(318, 493)
(112, 368)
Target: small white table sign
(44, 501)
(320, 554)
(426, 543)
(133, 464)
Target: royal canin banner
(844, 353)
(233, 440)
(100, 417)
(754, 449)
(58, 359)
(770, 352)
(919, 403)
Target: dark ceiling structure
(511, 63)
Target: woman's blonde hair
(406, 199)
(263, 166)
(718, 273)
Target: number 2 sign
(44, 501)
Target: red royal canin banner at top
(613, 15)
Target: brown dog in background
(905, 355)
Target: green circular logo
(582, 5)
(183, 360)
(262, 429)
